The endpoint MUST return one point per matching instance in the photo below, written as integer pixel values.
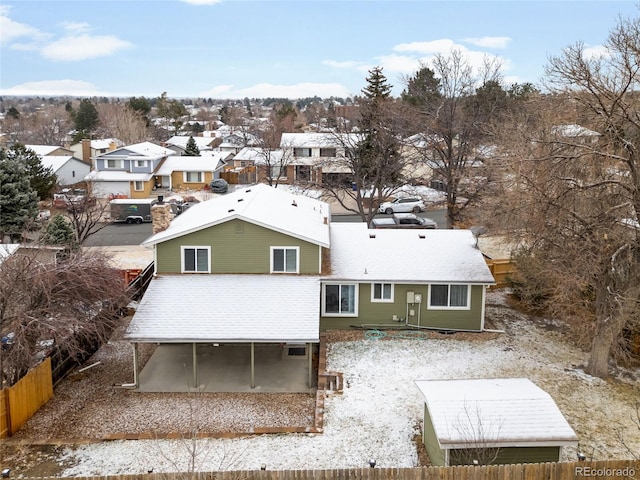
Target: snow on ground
(381, 409)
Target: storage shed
(492, 421)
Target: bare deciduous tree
(70, 303)
(86, 213)
(119, 121)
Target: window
(382, 292)
(340, 299)
(193, 177)
(449, 296)
(196, 259)
(141, 163)
(138, 185)
(328, 152)
(111, 163)
(276, 171)
(301, 152)
(284, 260)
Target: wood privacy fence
(20, 401)
(611, 469)
(501, 270)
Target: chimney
(86, 150)
(112, 146)
(160, 216)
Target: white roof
(201, 163)
(105, 143)
(7, 249)
(259, 155)
(42, 150)
(507, 411)
(296, 215)
(315, 139)
(412, 255)
(145, 149)
(573, 130)
(116, 176)
(56, 162)
(182, 140)
(214, 308)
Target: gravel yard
(378, 415)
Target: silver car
(402, 205)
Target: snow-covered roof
(296, 215)
(42, 150)
(105, 143)
(259, 155)
(144, 149)
(502, 411)
(116, 176)
(202, 163)
(203, 143)
(573, 130)
(223, 314)
(56, 162)
(448, 256)
(7, 249)
(315, 139)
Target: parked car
(403, 220)
(402, 205)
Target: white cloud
(489, 42)
(345, 64)
(264, 90)
(76, 27)
(53, 88)
(83, 47)
(427, 48)
(10, 30)
(595, 52)
(399, 63)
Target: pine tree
(85, 118)
(59, 232)
(18, 200)
(192, 149)
(42, 178)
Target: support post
(136, 380)
(253, 366)
(195, 365)
(310, 355)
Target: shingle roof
(504, 411)
(201, 163)
(144, 149)
(450, 256)
(295, 215)
(182, 140)
(314, 139)
(214, 308)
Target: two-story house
(190, 173)
(178, 143)
(128, 170)
(261, 267)
(69, 170)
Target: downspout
(309, 354)
(135, 365)
(195, 365)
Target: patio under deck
(225, 368)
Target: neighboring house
(128, 170)
(492, 421)
(69, 170)
(319, 157)
(87, 149)
(264, 266)
(50, 150)
(44, 254)
(194, 173)
(236, 141)
(178, 143)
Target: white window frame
(138, 188)
(448, 306)
(285, 248)
(196, 247)
(340, 314)
(185, 176)
(382, 299)
(141, 163)
(118, 162)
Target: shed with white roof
(492, 421)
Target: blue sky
(276, 48)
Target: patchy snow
(381, 409)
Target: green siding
(430, 439)
(507, 455)
(376, 313)
(237, 247)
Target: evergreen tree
(192, 149)
(13, 113)
(59, 232)
(18, 200)
(422, 89)
(85, 119)
(42, 178)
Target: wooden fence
(501, 269)
(20, 401)
(611, 469)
